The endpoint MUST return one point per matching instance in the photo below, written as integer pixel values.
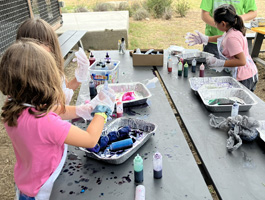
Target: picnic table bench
(236, 175)
(68, 40)
(85, 178)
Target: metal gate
(14, 12)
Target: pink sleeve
(234, 46)
(57, 129)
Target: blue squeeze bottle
(122, 144)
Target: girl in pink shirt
(34, 114)
(232, 46)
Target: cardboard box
(148, 59)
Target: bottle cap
(91, 55)
(186, 65)
(122, 39)
(157, 155)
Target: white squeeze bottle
(235, 108)
(140, 192)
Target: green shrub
(81, 9)
(140, 14)
(158, 7)
(168, 13)
(123, 6)
(103, 7)
(182, 7)
(134, 7)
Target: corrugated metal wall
(14, 12)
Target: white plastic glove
(81, 72)
(215, 63)
(105, 97)
(193, 39)
(68, 95)
(85, 111)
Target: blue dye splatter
(99, 181)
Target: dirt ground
(7, 157)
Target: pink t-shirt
(38, 144)
(234, 43)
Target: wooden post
(30, 9)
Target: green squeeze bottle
(186, 69)
(138, 169)
(180, 68)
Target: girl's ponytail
(227, 13)
(239, 25)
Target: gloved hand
(81, 72)
(105, 98)
(214, 62)
(193, 39)
(68, 95)
(85, 111)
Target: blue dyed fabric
(95, 149)
(113, 136)
(103, 141)
(101, 109)
(124, 132)
(25, 197)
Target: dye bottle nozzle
(186, 69)
(138, 169)
(140, 192)
(157, 165)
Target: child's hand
(193, 39)
(85, 111)
(104, 98)
(81, 72)
(214, 62)
(68, 95)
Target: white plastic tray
(210, 94)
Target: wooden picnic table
(236, 175)
(85, 178)
(257, 44)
